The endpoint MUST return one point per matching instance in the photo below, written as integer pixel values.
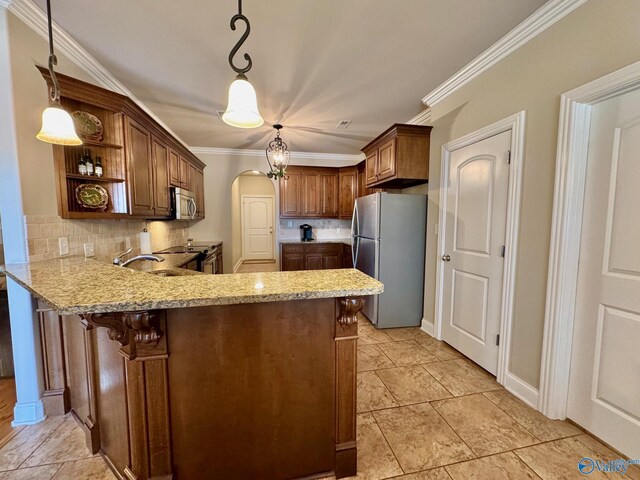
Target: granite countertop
(76, 285)
(345, 240)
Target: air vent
(343, 124)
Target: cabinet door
(174, 168)
(348, 191)
(140, 164)
(362, 179)
(184, 172)
(372, 167)
(290, 195)
(161, 179)
(329, 194)
(313, 261)
(198, 189)
(292, 261)
(347, 258)
(219, 265)
(312, 198)
(387, 160)
(332, 260)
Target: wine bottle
(89, 161)
(82, 167)
(98, 167)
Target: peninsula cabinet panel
(138, 141)
(290, 195)
(399, 157)
(162, 195)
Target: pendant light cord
(55, 92)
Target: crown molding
(241, 152)
(547, 15)
(422, 118)
(36, 19)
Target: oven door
(209, 265)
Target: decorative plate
(89, 126)
(93, 196)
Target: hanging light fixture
(242, 108)
(277, 155)
(57, 125)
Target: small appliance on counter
(306, 233)
(209, 259)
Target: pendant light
(277, 155)
(57, 125)
(242, 107)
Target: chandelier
(277, 155)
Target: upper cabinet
(348, 182)
(309, 192)
(140, 159)
(399, 158)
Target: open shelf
(93, 178)
(94, 143)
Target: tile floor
(258, 267)
(424, 413)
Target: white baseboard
(28, 413)
(237, 265)
(522, 390)
(427, 327)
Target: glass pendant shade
(57, 127)
(242, 109)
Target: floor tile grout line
(454, 431)
(422, 365)
(65, 417)
(387, 442)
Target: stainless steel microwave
(184, 204)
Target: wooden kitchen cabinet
(347, 257)
(196, 185)
(399, 157)
(161, 191)
(138, 141)
(140, 159)
(312, 256)
(348, 191)
(309, 192)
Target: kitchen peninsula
(204, 376)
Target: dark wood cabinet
(161, 192)
(140, 161)
(347, 258)
(313, 256)
(311, 194)
(399, 157)
(348, 191)
(329, 182)
(291, 194)
(195, 185)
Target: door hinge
(503, 250)
(498, 339)
(508, 157)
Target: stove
(209, 254)
(193, 247)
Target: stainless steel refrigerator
(388, 244)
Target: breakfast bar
(241, 376)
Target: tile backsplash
(108, 236)
(322, 228)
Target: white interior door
(257, 228)
(604, 383)
(477, 195)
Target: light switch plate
(63, 245)
(290, 223)
(89, 250)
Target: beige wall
(599, 37)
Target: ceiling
(315, 62)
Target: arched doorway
(253, 217)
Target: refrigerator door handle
(355, 243)
(354, 219)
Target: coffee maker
(306, 233)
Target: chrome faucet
(118, 259)
(154, 258)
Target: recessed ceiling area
(315, 63)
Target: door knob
(446, 258)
